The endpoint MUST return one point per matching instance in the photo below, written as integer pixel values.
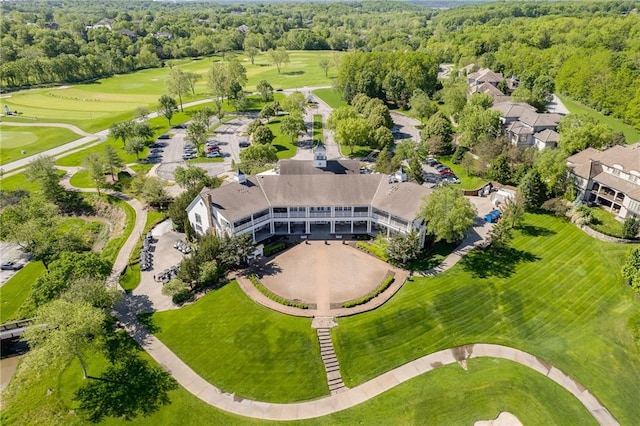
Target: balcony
(280, 215)
(320, 214)
(297, 214)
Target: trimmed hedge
(388, 279)
(271, 295)
(274, 248)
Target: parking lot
(435, 173)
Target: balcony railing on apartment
(320, 214)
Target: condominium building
(609, 178)
(320, 198)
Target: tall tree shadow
(128, 388)
(535, 231)
(495, 262)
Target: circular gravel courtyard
(323, 273)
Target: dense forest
(590, 49)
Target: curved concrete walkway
(215, 397)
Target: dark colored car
(165, 136)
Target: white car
(214, 154)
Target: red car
(446, 172)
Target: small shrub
(631, 227)
(274, 248)
(181, 296)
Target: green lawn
(244, 348)
(19, 182)
(557, 294)
(631, 133)
(282, 142)
(331, 97)
(15, 291)
(358, 151)
(81, 179)
(467, 181)
(206, 160)
(605, 222)
(318, 134)
(32, 140)
(94, 106)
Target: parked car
(188, 155)
(165, 136)
(180, 126)
(446, 171)
(10, 266)
(440, 167)
(432, 162)
(450, 179)
(211, 148)
(244, 143)
(214, 154)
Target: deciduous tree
(631, 269)
(178, 84)
(279, 57)
(266, 91)
(448, 214)
(63, 331)
(353, 131)
(135, 146)
(166, 106)
(93, 163)
(263, 135)
(293, 125)
(43, 171)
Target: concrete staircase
(330, 361)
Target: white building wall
(198, 216)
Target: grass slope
(631, 133)
(557, 294)
(14, 292)
(32, 140)
(244, 348)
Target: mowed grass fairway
(14, 139)
(246, 349)
(557, 294)
(95, 106)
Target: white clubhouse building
(319, 198)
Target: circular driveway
(323, 273)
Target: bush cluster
(278, 299)
(274, 248)
(181, 296)
(388, 279)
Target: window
(198, 218)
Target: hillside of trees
(590, 49)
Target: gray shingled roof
(547, 135)
(400, 199)
(303, 167)
(512, 109)
(320, 190)
(236, 200)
